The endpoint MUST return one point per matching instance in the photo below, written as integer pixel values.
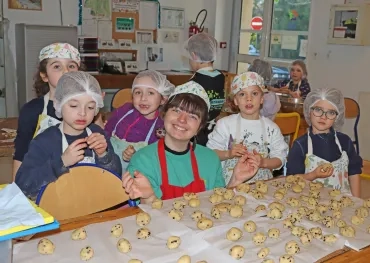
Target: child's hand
(98, 143)
(319, 172)
(74, 153)
(237, 150)
(128, 153)
(259, 159)
(245, 169)
(137, 187)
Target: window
(274, 30)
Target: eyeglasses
(318, 112)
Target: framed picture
(154, 54)
(25, 4)
(172, 17)
(124, 43)
(144, 37)
(116, 65)
(131, 66)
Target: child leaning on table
(248, 131)
(324, 111)
(76, 139)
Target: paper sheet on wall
(289, 42)
(303, 48)
(148, 15)
(89, 28)
(105, 29)
(97, 9)
(275, 39)
(172, 17)
(125, 5)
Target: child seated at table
(137, 124)
(324, 111)
(76, 139)
(248, 131)
(173, 165)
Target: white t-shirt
(251, 133)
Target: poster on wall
(25, 4)
(96, 9)
(125, 5)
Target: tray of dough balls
(142, 238)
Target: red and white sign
(257, 23)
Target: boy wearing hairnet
(201, 49)
(138, 124)
(324, 154)
(78, 98)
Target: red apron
(171, 191)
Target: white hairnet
(262, 68)
(201, 48)
(333, 96)
(74, 84)
(160, 82)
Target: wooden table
(345, 255)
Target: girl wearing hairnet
(201, 50)
(248, 131)
(297, 86)
(173, 166)
(271, 102)
(137, 124)
(78, 98)
(324, 154)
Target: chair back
(120, 98)
(229, 105)
(289, 124)
(84, 190)
(353, 112)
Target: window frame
(266, 32)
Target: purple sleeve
(116, 115)
(159, 125)
(305, 89)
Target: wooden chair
(353, 112)
(84, 190)
(228, 106)
(289, 124)
(120, 98)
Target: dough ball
(244, 188)
(250, 226)
(277, 205)
(237, 252)
(268, 261)
(184, 259)
(347, 231)
(215, 212)
(295, 217)
(202, 261)
(195, 202)
(175, 214)
(275, 214)
(262, 187)
(196, 215)
(335, 205)
(316, 232)
(287, 185)
(275, 183)
(302, 210)
(329, 239)
(316, 185)
(346, 201)
(259, 239)
(204, 223)
(260, 208)
(143, 233)
(290, 179)
(325, 167)
(124, 246)
(229, 194)
(367, 203)
(298, 231)
(257, 194)
(116, 230)
(135, 261)
(223, 207)
(219, 191)
(236, 211)
(314, 193)
(279, 195)
(173, 242)
(142, 219)
(334, 192)
(273, 233)
(286, 259)
(179, 204)
(328, 221)
(79, 234)
(86, 253)
(314, 216)
(362, 212)
(45, 247)
(302, 184)
(189, 196)
(368, 229)
(287, 223)
(263, 252)
(292, 248)
(234, 234)
(313, 202)
(297, 188)
(322, 209)
(306, 238)
(157, 204)
(240, 200)
(215, 198)
(282, 190)
(293, 202)
(341, 223)
(356, 220)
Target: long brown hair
(302, 65)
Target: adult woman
(173, 166)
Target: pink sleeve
(116, 115)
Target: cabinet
(349, 25)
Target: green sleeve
(220, 181)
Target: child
(39, 114)
(324, 112)
(134, 125)
(201, 49)
(247, 131)
(75, 140)
(271, 102)
(172, 166)
(297, 86)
